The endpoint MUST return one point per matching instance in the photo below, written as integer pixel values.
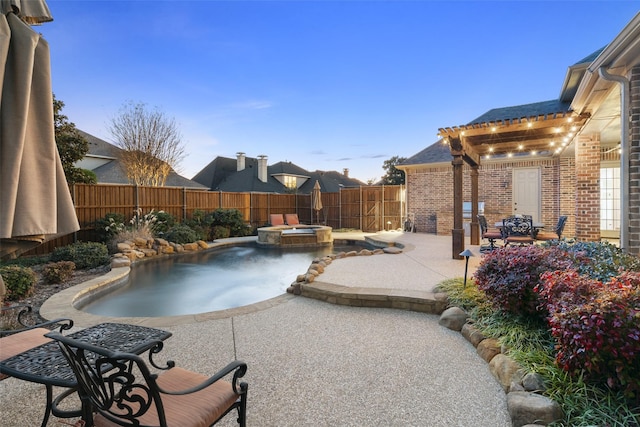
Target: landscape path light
(466, 254)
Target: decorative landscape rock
(472, 334)
(527, 408)
(533, 382)
(453, 318)
(118, 262)
(391, 250)
(505, 370)
(488, 348)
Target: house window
(290, 182)
(610, 200)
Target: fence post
(184, 204)
(135, 197)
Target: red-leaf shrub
(597, 328)
(508, 276)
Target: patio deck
(317, 364)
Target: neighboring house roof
(435, 153)
(102, 159)
(221, 174)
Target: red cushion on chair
(276, 219)
(199, 409)
(292, 219)
(22, 341)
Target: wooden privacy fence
(366, 208)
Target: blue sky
(326, 85)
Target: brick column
(634, 163)
(587, 216)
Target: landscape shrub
(200, 223)
(181, 234)
(107, 227)
(230, 218)
(163, 223)
(597, 329)
(220, 232)
(19, 281)
(58, 272)
(598, 260)
(509, 275)
(84, 255)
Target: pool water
(207, 281)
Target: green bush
(163, 223)
(85, 255)
(58, 272)
(181, 234)
(109, 226)
(220, 232)
(231, 219)
(19, 281)
(200, 223)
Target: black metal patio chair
(556, 234)
(123, 391)
(517, 230)
(491, 234)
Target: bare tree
(151, 143)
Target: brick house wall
(587, 195)
(430, 192)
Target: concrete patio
(312, 363)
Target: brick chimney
(240, 157)
(262, 168)
(345, 172)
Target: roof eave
(621, 54)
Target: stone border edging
(308, 286)
(526, 406)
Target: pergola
(539, 135)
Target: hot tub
(295, 235)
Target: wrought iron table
(47, 365)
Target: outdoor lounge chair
(553, 235)
(491, 234)
(276, 219)
(291, 219)
(123, 391)
(517, 230)
(16, 341)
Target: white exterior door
(526, 192)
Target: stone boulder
(190, 247)
(472, 334)
(528, 408)
(118, 262)
(453, 318)
(487, 349)
(533, 382)
(505, 370)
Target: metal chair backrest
(119, 386)
(562, 220)
(517, 226)
(482, 220)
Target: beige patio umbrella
(316, 200)
(35, 203)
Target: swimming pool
(207, 281)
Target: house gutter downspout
(624, 153)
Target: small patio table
(47, 365)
